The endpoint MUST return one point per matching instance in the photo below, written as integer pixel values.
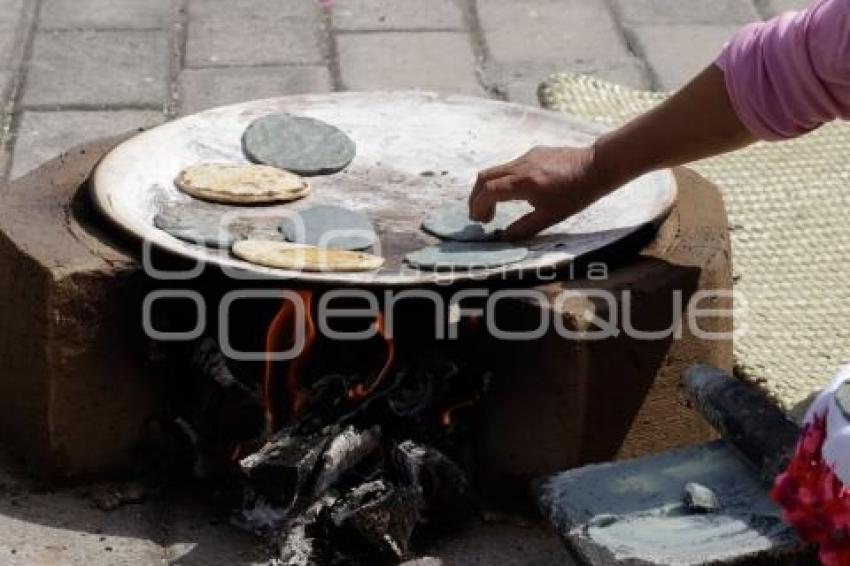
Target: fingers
(528, 226)
(483, 206)
(489, 175)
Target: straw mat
(789, 215)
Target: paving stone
(10, 13)
(770, 8)
(105, 14)
(253, 32)
(205, 88)
(508, 543)
(519, 82)
(440, 61)
(65, 528)
(225, 11)
(8, 60)
(677, 53)
(43, 135)
(197, 534)
(565, 30)
(658, 12)
(95, 68)
(252, 41)
(396, 14)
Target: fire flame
(361, 391)
(447, 418)
(280, 337)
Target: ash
(352, 479)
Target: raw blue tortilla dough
(466, 255)
(304, 146)
(328, 226)
(214, 228)
(452, 222)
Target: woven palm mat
(789, 216)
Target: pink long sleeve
(788, 76)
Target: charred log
(286, 466)
(442, 484)
(380, 515)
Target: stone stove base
(75, 390)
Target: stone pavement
(74, 70)
(47, 527)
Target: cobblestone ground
(74, 70)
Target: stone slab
(570, 31)
(438, 61)
(105, 14)
(509, 542)
(634, 511)
(251, 39)
(43, 135)
(365, 15)
(10, 14)
(224, 11)
(770, 8)
(65, 528)
(519, 82)
(674, 12)
(98, 68)
(201, 89)
(674, 65)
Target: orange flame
(447, 418)
(361, 391)
(280, 337)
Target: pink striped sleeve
(789, 75)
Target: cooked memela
(300, 257)
(241, 183)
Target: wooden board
(416, 151)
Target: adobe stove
(458, 386)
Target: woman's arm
(696, 122)
(775, 80)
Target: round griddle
(416, 152)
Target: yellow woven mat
(789, 215)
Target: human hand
(557, 181)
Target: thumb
(528, 226)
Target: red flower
(814, 500)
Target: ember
(365, 442)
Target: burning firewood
(367, 455)
(382, 514)
(345, 451)
(285, 467)
(441, 482)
